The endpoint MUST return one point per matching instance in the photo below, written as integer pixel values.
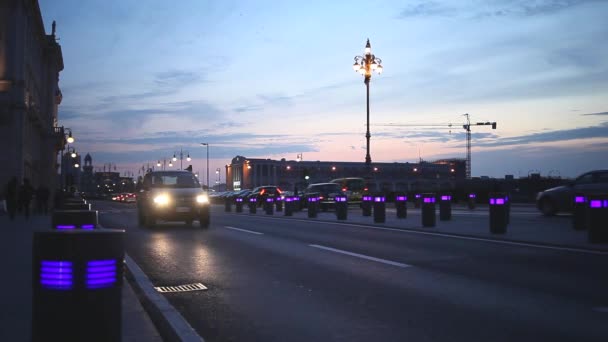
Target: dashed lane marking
(362, 256)
(244, 230)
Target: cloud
(598, 114)
(425, 9)
(600, 131)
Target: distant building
(247, 173)
(30, 62)
(108, 182)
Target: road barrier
(366, 205)
(471, 202)
(445, 207)
(227, 204)
(289, 203)
(313, 206)
(428, 210)
(269, 206)
(341, 207)
(77, 278)
(278, 203)
(401, 206)
(417, 200)
(253, 205)
(238, 204)
(498, 213)
(297, 203)
(74, 219)
(579, 214)
(597, 218)
(379, 209)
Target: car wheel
(547, 207)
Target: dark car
(326, 193)
(261, 193)
(561, 198)
(172, 196)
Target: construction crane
(467, 128)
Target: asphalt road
(279, 279)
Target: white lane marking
(453, 236)
(244, 230)
(384, 261)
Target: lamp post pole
(365, 65)
(207, 144)
(181, 158)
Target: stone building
(30, 62)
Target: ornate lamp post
(181, 158)
(365, 65)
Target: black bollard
(579, 214)
(498, 213)
(77, 277)
(417, 200)
(428, 210)
(401, 206)
(508, 209)
(227, 204)
(379, 209)
(253, 205)
(278, 203)
(269, 206)
(341, 207)
(445, 208)
(471, 202)
(297, 204)
(74, 219)
(597, 218)
(289, 202)
(238, 204)
(313, 203)
(366, 205)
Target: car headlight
(202, 199)
(161, 199)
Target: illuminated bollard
(579, 214)
(227, 204)
(269, 206)
(297, 204)
(508, 209)
(238, 204)
(498, 213)
(313, 203)
(445, 208)
(77, 278)
(471, 201)
(379, 209)
(289, 203)
(253, 205)
(401, 206)
(341, 207)
(366, 205)
(278, 201)
(74, 219)
(417, 200)
(597, 218)
(428, 210)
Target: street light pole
(207, 144)
(365, 65)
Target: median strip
(366, 257)
(244, 230)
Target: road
(281, 279)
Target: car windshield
(174, 180)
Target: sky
(268, 79)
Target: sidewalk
(16, 292)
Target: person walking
(10, 195)
(25, 196)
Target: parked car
(172, 196)
(326, 193)
(261, 193)
(561, 198)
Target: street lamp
(207, 144)
(181, 158)
(365, 65)
(217, 171)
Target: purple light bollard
(579, 212)
(253, 205)
(428, 210)
(366, 205)
(341, 207)
(289, 202)
(471, 201)
(417, 200)
(379, 209)
(498, 213)
(445, 207)
(269, 206)
(597, 218)
(313, 206)
(238, 204)
(401, 206)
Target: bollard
(74, 219)
(227, 204)
(498, 213)
(341, 207)
(253, 205)
(289, 202)
(76, 206)
(313, 203)
(508, 209)
(238, 204)
(597, 218)
(445, 208)
(428, 210)
(417, 200)
(379, 209)
(77, 278)
(297, 204)
(471, 202)
(401, 206)
(579, 214)
(366, 205)
(269, 206)
(278, 203)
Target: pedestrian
(25, 196)
(10, 195)
(42, 199)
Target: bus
(354, 187)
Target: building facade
(30, 62)
(248, 173)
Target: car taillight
(344, 189)
(262, 192)
(279, 191)
(320, 197)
